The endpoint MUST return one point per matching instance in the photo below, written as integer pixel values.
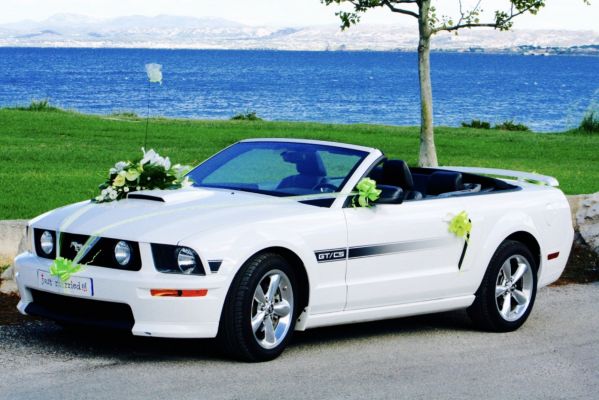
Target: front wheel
(507, 293)
(259, 314)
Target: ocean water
(546, 93)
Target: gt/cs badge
(330, 255)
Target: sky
(559, 14)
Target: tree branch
(461, 26)
(400, 10)
(496, 24)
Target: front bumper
(175, 317)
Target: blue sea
(546, 93)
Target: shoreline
(530, 52)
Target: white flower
(179, 171)
(149, 156)
(152, 158)
(132, 174)
(154, 72)
(138, 188)
(99, 198)
(118, 167)
(126, 189)
(186, 182)
(113, 195)
(119, 180)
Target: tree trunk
(428, 153)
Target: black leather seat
(397, 173)
(310, 170)
(444, 182)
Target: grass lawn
(48, 159)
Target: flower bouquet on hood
(150, 172)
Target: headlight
(122, 253)
(177, 260)
(47, 242)
(44, 242)
(186, 260)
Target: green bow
(64, 268)
(460, 225)
(367, 192)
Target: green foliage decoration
(150, 172)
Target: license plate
(75, 285)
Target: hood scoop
(140, 196)
(170, 196)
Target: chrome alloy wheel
(514, 287)
(272, 309)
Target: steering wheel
(325, 187)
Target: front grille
(101, 254)
(74, 310)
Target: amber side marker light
(552, 256)
(179, 293)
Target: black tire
(236, 336)
(485, 311)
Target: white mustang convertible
(270, 239)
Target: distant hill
(166, 31)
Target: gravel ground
(554, 355)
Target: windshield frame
(366, 153)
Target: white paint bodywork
(506, 173)
(232, 226)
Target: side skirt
(387, 312)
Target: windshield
(279, 168)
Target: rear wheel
(259, 314)
(507, 293)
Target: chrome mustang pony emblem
(76, 246)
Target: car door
(403, 253)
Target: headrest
(397, 173)
(444, 182)
(305, 163)
(376, 173)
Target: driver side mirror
(390, 194)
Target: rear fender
(503, 228)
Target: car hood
(168, 216)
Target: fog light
(186, 260)
(47, 242)
(122, 253)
